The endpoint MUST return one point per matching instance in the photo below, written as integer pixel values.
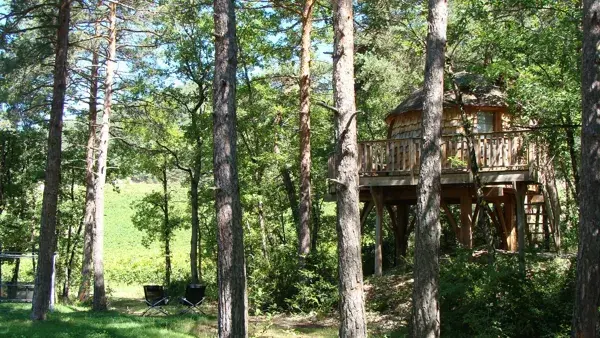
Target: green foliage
(290, 289)
(498, 302)
(150, 218)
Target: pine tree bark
(43, 280)
(585, 318)
(231, 270)
(305, 156)
(426, 313)
(352, 308)
(100, 303)
(90, 190)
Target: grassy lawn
(124, 320)
(77, 322)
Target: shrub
(279, 285)
(497, 301)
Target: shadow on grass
(72, 322)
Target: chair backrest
(154, 293)
(195, 292)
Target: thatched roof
(476, 91)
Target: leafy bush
(498, 301)
(279, 285)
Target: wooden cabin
(389, 169)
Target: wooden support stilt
(466, 213)
(505, 232)
(494, 218)
(546, 230)
(553, 221)
(364, 214)
(401, 234)
(520, 189)
(411, 227)
(509, 218)
(377, 195)
(451, 219)
(392, 213)
(394, 229)
(532, 236)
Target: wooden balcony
(502, 157)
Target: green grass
(124, 321)
(77, 322)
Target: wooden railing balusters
(494, 151)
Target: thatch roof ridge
(476, 91)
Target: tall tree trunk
(32, 234)
(3, 143)
(195, 173)
(98, 245)
(167, 226)
(43, 279)
(555, 206)
(15, 280)
(71, 246)
(352, 308)
(195, 240)
(426, 307)
(263, 230)
(66, 282)
(286, 177)
(90, 190)
(231, 271)
(572, 153)
(305, 157)
(316, 215)
(585, 318)
(70, 263)
(551, 200)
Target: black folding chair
(156, 298)
(194, 296)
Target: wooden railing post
(498, 151)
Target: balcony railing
(498, 151)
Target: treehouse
(507, 163)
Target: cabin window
(485, 122)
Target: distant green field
(125, 257)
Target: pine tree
(231, 267)
(352, 308)
(426, 313)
